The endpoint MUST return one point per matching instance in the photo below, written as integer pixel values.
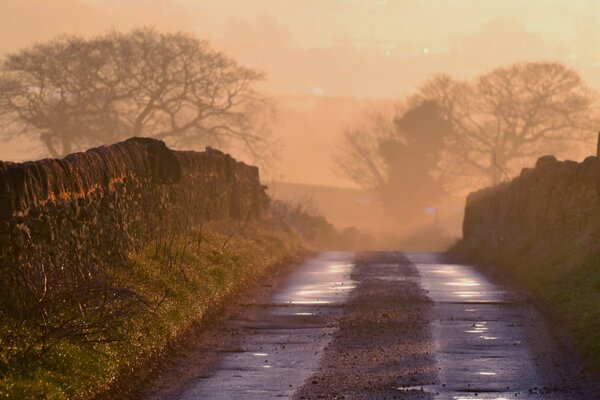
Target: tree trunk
(495, 170)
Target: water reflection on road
(479, 336)
(284, 342)
(482, 337)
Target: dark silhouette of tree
(465, 134)
(411, 158)
(398, 158)
(73, 92)
(510, 116)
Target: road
(376, 326)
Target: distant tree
(73, 92)
(359, 154)
(508, 117)
(458, 134)
(411, 157)
(397, 158)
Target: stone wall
(553, 208)
(99, 205)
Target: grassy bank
(170, 285)
(565, 286)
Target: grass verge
(178, 281)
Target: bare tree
(454, 134)
(73, 92)
(359, 155)
(507, 117)
(397, 158)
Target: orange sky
(352, 48)
(374, 48)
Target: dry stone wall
(99, 205)
(552, 207)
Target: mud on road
(383, 348)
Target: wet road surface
(488, 344)
(280, 341)
(384, 326)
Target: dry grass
(178, 280)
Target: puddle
(481, 349)
(398, 278)
(287, 339)
(420, 389)
(475, 346)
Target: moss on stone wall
(108, 256)
(98, 205)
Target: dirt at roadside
(383, 348)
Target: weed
(120, 322)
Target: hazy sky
(376, 49)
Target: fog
(329, 64)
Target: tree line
(454, 134)
(71, 93)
